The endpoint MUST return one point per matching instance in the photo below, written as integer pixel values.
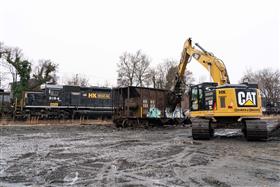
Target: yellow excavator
(218, 104)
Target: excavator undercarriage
(253, 129)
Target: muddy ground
(95, 155)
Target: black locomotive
(64, 102)
(5, 103)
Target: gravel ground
(98, 155)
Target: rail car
(66, 102)
(140, 106)
(5, 103)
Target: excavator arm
(215, 66)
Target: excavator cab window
(202, 96)
(197, 97)
(194, 98)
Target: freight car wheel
(125, 123)
(145, 124)
(117, 122)
(134, 123)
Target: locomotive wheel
(124, 123)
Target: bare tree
(7, 55)
(157, 76)
(6, 72)
(13, 60)
(268, 81)
(142, 67)
(133, 69)
(45, 72)
(14, 56)
(107, 84)
(126, 70)
(249, 76)
(165, 73)
(170, 77)
(78, 80)
(151, 78)
(2, 64)
(2, 49)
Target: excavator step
(256, 130)
(201, 129)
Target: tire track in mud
(105, 157)
(127, 172)
(165, 158)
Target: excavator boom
(215, 66)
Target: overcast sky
(87, 37)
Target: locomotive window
(6, 98)
(54, 92)
(223, 102)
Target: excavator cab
(202, 96)
(226, 106)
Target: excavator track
(256, 130)
(201, 129)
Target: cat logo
(247, 98)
